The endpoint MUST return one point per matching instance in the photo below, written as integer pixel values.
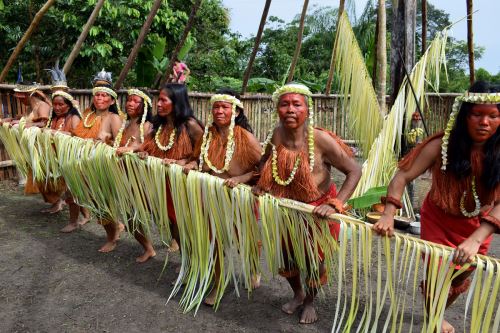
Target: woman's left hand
(324, 211)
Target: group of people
(461, 210)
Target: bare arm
(427, 157)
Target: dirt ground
(53, 282)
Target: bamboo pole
(248, 71)
(332, 60)
(299, 42)
(470, 42)
(381, 56)
(184, 36)
(133, 54)
(34, 24)
(83, 35)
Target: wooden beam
(83, 35)
(34, 24)
(296, 54)
(470, 42)
(135, 50)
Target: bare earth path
(52, 282)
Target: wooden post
(25, 38)
(83, 36)
(332, 60)
(424, 26)
(138, 43)
(299, 42)
(470, 42)
(248, 71)
(381, 56)
(181, 42)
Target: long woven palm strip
(217, 221)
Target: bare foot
(108, 247)
(210, 299)
(173, 247)
(255, 283)
(83, 220)
(446, 327)
(147, 254)
(70, 228)
(309, 315)
(55, 208)
(294, 304)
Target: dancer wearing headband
(230, 151)
(296, 165)
(462, 208)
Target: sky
(246, 14)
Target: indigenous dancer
(462, 208)
(230, 151)
(130, 137)
(296, 165)
(64, 118)
(175, 132)
(39, 105)
(100, 122)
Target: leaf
(188, 44)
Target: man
(296, 165)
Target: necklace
(86, 120)
(229, 151)
(476, 201)
(170, 140)
(276, 176)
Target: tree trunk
(332, 60)
(138, 43)
(76, 49)
(381, 56)
(299, 42)
(181, 42)
(424, 26)
(25, 38)
(403, 40)
(248, 71)
(470, 42)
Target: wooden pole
(25, 38)
(470, 42)
(332, 60)
(299, 42)
(184, 36)
(381, 56)
(83, 35)
(248, 71)
(424, 26)
(138, 43)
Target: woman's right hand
(142, 155)
(385, 225)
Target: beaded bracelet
(392, 200)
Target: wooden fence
(329, 111)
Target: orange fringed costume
(441, 219)
(31, 186)
(247, 155)
(302, 188)
(93, 121)
(181, 149)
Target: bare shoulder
(193, 125)
(325, 141)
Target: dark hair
(181, 108)
(72, 110)
(112, 108)
(241, 119)
(460, 143)
(149, 110)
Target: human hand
(142, 155)
(257, 190)
(466, 251)
(168, 161)
(324, 211)
(232, 182)
(384, 226)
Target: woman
(462, 208)
(130, 137)
(174, 134)
(230, 151)
(64, 118)
(99, 122)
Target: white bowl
(415, 228)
